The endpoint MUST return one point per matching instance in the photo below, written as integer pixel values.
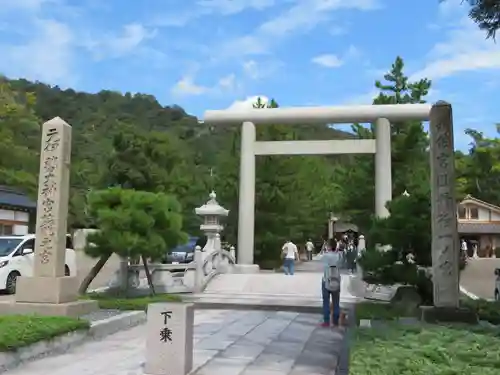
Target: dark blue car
(184, 253)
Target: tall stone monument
(49, 291)
(445, 241)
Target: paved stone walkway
(226, 343)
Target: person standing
(290, 254)
(330, 285)
(464, 248)
(309, 249)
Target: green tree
(19, 139)
(132, 224)
(409, 143)
(407, 230)
(486, 14)
(478, 172)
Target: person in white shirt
(290, 254)
(309, 249)
(464, 248)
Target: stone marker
(169, 339)
(445, 242)
(48, 291)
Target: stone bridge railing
(178, 278)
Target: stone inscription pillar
(445, 242)
(246, 212)
(49, 291)
(383, 173)
(53, 196)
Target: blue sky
(214, 54)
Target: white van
(16, 259)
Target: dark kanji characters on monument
(443, 160)
(444, 263)
(445, 201)
(443, 180)
(444, 220)
(443, 140)
(165, 334)
(49, 187)
(166, 316)
(53, 140)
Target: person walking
(464, 248)
(290, 253)
(330, 285)
(309, 249)
(351, 256)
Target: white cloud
(250, 69)
(465, 48)
(247, 103)
(333, 61)
(327, 61)
(228, 82)
(302, 17)
(47, 56)
(187, 87)
(258, 70)
(127, 41)
(229, 7)
(203, 8)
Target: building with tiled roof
(15, 211)
(479, 225)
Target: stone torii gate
(444, 222)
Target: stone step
(256, 301)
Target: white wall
(495, 216)
(483, 214)
(21, 228)
(7, 215)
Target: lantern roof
(212, 207)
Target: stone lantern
(212, 212)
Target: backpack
(332, 281)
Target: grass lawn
(17, 331)
(429, 350)
(121, 303)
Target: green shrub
(485, 310)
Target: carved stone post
(198, 275)
(445, 242)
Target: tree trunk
(148, 275)
(93, 273)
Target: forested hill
(132, 141)
(85, 112)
